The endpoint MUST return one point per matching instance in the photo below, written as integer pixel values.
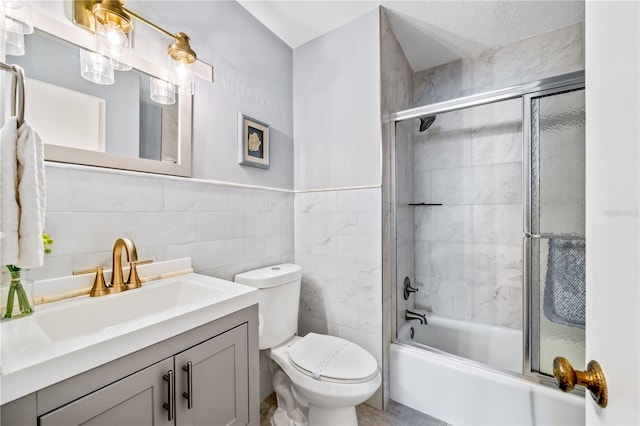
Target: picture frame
(253, 142)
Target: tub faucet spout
(410, 315)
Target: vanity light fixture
(112, 23)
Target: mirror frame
(76, 36)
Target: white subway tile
(220, 226)
(109, 192)
(193, 196)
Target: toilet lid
(333, 359)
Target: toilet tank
(279, 297)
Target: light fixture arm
(149, 23)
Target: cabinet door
(219, 381)
(135, 400)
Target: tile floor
(395, 415)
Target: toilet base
(281, 418)
(320, 416)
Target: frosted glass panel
(559, 217)
(562, 159)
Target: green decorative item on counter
(21, 288)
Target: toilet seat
(332, 359)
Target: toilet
(318, 379)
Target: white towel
(31, 195)
(23, 198)
(9, 207)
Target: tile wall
(469, 251)
(225, 229)
(338, 242)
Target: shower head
(426, 122)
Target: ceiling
(430, 32)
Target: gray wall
(252, 74)
(336, 86)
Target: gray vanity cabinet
(213, 381)
(212, 375)
(134, 400)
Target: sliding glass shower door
(555, 228)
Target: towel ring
(17, 90)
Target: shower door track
(555, 84)
(490, 97)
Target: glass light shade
(14, 43)
(114, 43)
(162, 91)
(183, 77)
(18, 16)
(96, 67)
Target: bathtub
(458, 391)
(499, 347)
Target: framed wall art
(253, 142)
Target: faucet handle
(99, 287)
(134, 279)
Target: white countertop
(33, 358)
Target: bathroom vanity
(207, 373)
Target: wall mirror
(115, 126)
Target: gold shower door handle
(592, 379)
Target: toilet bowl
(318, 379)
(349, 377)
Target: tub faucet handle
(408, 289)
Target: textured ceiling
(430, 32)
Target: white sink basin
(65, 338)
(98, 314)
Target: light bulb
(114, 43)
(112, 36)
(183, 77)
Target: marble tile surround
(225, 229)
(468, 253)
(338, 243)
(544, 55)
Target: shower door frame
(530, 303)
(526, 91)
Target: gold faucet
(117, 283)
(117, 280)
